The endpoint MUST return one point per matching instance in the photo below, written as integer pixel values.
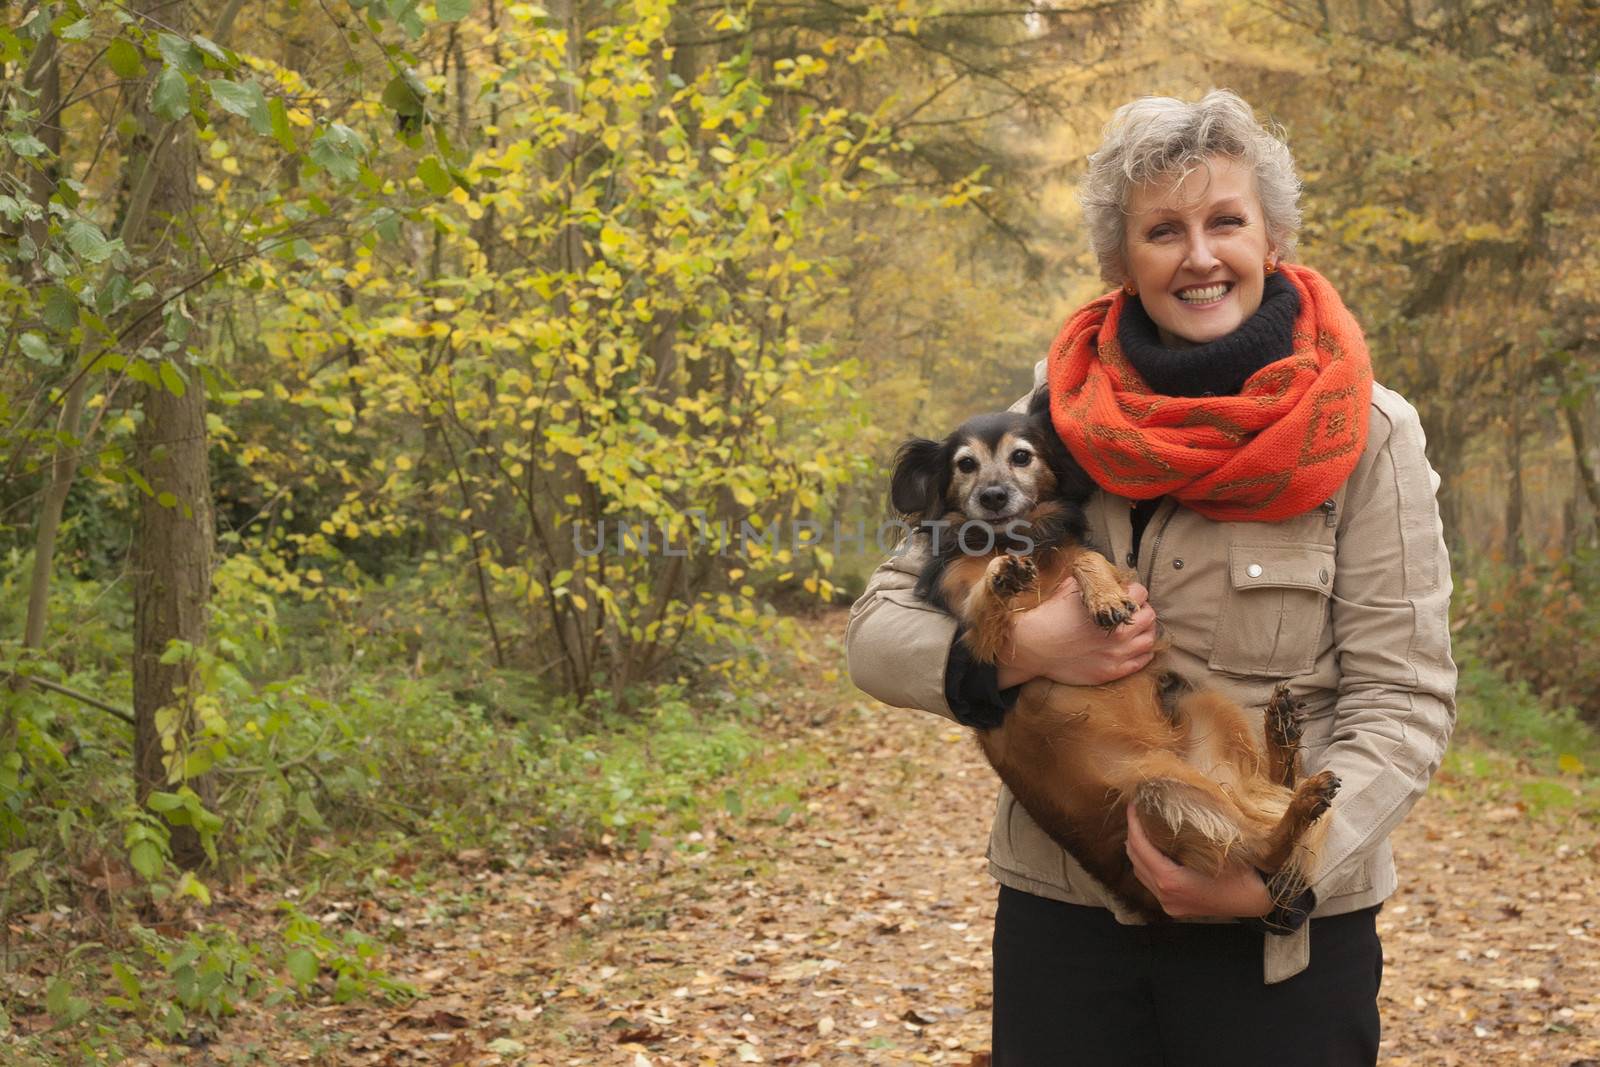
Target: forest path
(857, 931)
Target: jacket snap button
(1131, 559)
(1323, 575)
(1177, 564)
(1254, 570)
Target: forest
(353, 351)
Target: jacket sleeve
(897, 644)
(1396, 705)
(901, 649)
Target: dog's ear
(920, 476)
(1071, 480)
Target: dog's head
(994, 468)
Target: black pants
(1074, 986)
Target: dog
(1005, 500)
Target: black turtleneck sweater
(1216, 368)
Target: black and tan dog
(1005, 501)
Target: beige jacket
(1349, 603)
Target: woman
(1278, 508)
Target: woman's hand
(1059, 640)
(1184, 894)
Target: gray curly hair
(1156, 137)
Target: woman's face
(1198, 251)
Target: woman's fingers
(1060, 640)
(1143, 621)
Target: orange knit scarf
(1278, 449)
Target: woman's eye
(1230, 221)
(1021, 457)
(966, 465)
(1162, 231)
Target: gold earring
(1272, 266)
(1130, 289)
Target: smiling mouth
(1204, 294)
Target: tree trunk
(1580, 454)
(44, 77)
(173, 542)
(1514, 553)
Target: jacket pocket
(1275, 610)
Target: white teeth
(1203, 296)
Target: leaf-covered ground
(855, 928)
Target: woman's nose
(1200, 256)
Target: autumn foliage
(361, 358)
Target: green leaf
(26, 145)
(173, 379)
(338, 151)
(58, 998)
(302, 965)
(402, 96)
(127, 980)
(85, 239)
(60, 311)
(146, 859)
(76, 31)
(167, 500)
(280, 124)
(170, 99)
(306, 808)
(143, 373)
(162, 801)
(387, 223)
(434, 176)
(20, 860)
(190, 886)
(245, 100)
(36, 348)
(215, 52)
(179, 53)
(124, 59)
(453, 10)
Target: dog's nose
(994, 498)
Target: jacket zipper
(1155, 546)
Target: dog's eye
(1021, 457)
(966, 465)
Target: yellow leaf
(1570, 764)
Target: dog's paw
(1010, 575)
(1110, 612)
(1321, 788)
(1285, 720)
